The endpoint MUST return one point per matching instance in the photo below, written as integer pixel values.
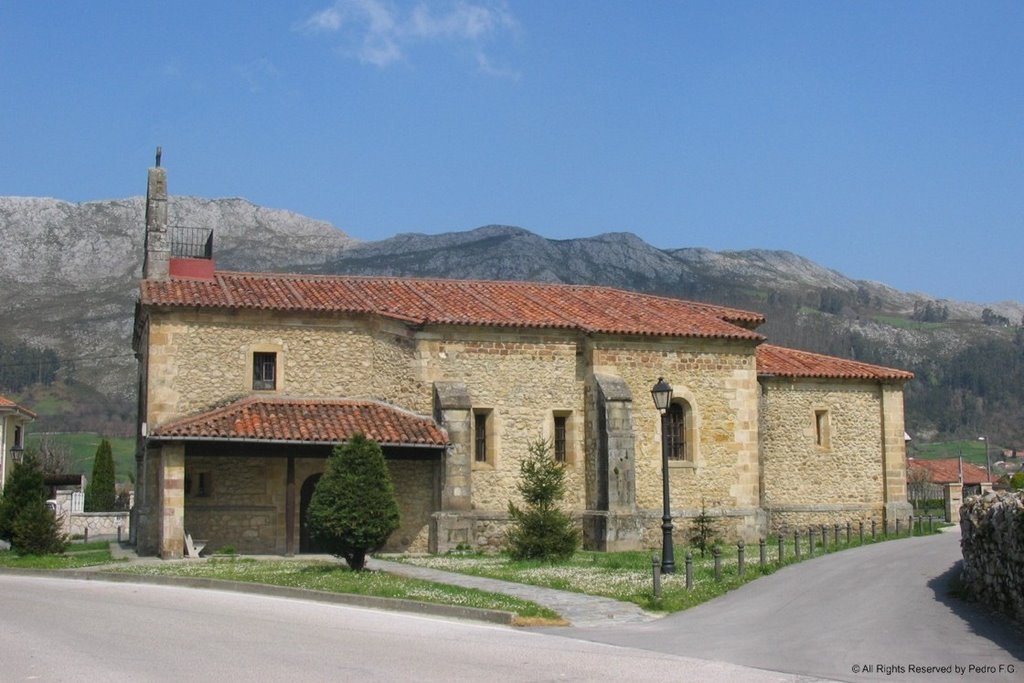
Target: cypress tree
(353, 509)
(100, 494)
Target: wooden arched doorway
(307, 544)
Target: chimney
(156, 265)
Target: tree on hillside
(353, 509)
(100, 494)
(541, 530)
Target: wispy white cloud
(380, 32)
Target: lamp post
(988, 460)
(662, 395)
(17, 451)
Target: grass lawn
(76, 555)
(337, 578)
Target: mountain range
(69, 275)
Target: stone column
(172, 501)
(953, 493)
(613, 523)
(451, 526)
(894, 454)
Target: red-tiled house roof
(947, 470)
(776, 361)
(9, 406)
(283, 420)
(460, 302)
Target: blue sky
(882, 139)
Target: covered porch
(241, 476)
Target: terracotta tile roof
(946, 470)
(9, 406)
(308, 421)
(460, 302)
(776, 361)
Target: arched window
(674, 426)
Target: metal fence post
(796, 544)
(824, 537)
(849, 527)
(741, 556)
(718, 563)
(911, 520)
(782, 546)
(810, 542)
(861, 532)
(874, 534)
(764, 553)
(689, 570)
(835, 529)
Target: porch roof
(308, 421)
(947, 470)
(9, 406)
(777, 361)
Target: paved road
(886, 604)
(71, 630)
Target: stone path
(583, 611)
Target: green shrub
(353, 509)
(37, 531)
(541, 531)
(24, 488)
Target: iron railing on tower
(189, 242)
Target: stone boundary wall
(96, 524)
(992, 541)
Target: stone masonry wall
(523, 379)
(992, 540)
(807, 483)
(244, 504)
(718, 380)
(202, 360)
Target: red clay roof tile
(7, 406)
(312, 421)
(947, 470)
(461, 302)
(777, 361)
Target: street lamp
(662, 395)
(17, 451)
(988, 460)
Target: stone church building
(247, 380)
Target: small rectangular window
(480, 437)
(264, 371)
(821, 428)
(204, 488)
(559, 438)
